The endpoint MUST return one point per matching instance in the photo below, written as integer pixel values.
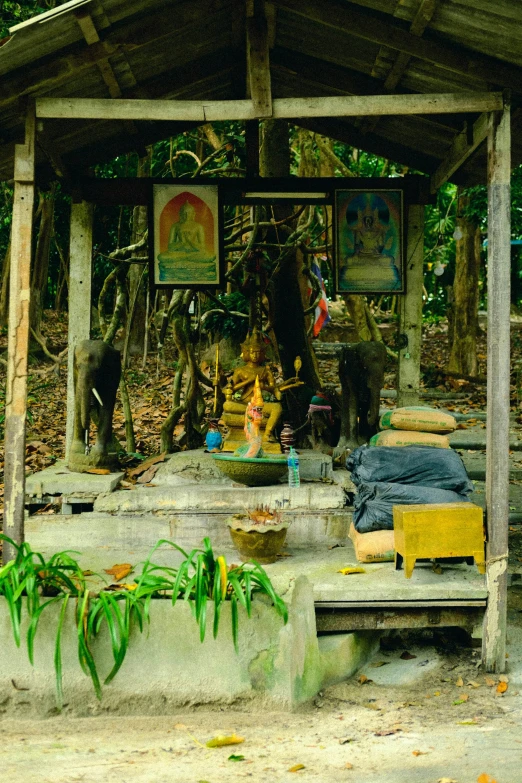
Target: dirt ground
(422, 711)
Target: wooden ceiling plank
(283, 108)
(464, 145)
(90, 33)
(371, 28)
(258, 60)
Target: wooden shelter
(427, 83)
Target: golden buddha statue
(240, 390)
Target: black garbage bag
(423, 465)
(374, 502)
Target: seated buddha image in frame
(369, 241)
(186, 250)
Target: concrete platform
(104, 540)
(229, 499)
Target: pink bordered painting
(186, 236)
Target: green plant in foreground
(32, 583)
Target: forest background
(167, 386)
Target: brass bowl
(262, 545)
(252, 471)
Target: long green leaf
(58, 654)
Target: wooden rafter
(464, 144)
(283, 108)
(370, 27)
(419, 23)
(258, 59)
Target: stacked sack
(388, 476)
(415, 426)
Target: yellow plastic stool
(438, 530)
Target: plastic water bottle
(293, 468)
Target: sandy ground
(427, 713)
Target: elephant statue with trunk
(361, 372)
(97, 372)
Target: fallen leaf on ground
(406, 656)
(460, 682)
(220, 741)
(462, 698)
(485, 778)
(119, 571)
(145, 465)
(503, 678)
(345, 740)
(447, 780)
(351, 570)
(502, 687)
(436, 568)
(489, 682)
(363, 679)
(180, 726)
(379, 663)
(348, 765)
(98, 471)
(419, 753)
(467, 722)
(473, 684)
(149, 474)
(235, 757)
(386, 732)
(296, 767)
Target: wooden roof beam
(90, 33)
(419, 23)
(371, 27)
(464, 144)
(283, 108)
(258, 59)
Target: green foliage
(226, 325)
(12, 13)
(30, 583)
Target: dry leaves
(351, 570)
(419, 753)
(119, 571)
(146, 464)
(406, 656)
(447, 780)
(221, 741)
(363, 679)
(485, 778)
(348, 765)
(98, 471)
(502, 687)
(460, 682)
(296, 767)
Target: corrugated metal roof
(196, 49)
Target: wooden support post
(18, 337)
(258, 59)
(408, 376)
(79, 296)
(497, 452)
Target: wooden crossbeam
(283, 108)
(258, 61)
(385, 33)
(464, 144)
(419, 23)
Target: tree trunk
(136, 287)
(289, 321)
(463, 348)
(41, 258)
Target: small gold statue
(240, 390)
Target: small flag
(321, 311)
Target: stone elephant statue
(97, 372)
(361, 372)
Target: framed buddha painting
(186, 236)
(369, 241)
